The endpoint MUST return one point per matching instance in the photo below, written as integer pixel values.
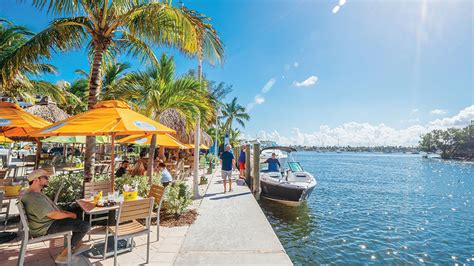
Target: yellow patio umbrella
(106, 118)
(165, 141)
(191, 146)
(4, 139)
(16, 122)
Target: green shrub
(140, 181)
(71, 190)
(177, 199)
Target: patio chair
(5, 205)
(126, 225)
(92, 188)
(27, 239)
(158, 193)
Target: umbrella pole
(73, 152)
(39, 147)
(112, 163)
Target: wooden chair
(126, 225)
(6, 205)
(158, 193)
(93, 188)
(27, 239)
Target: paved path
(231, 229)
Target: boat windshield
(295, 167)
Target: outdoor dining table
(88, 206)
(71, 170)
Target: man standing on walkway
(242, 161)
(227, 162)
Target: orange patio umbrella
(106, 118)
(16, 122)
(165, 141)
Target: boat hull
(285, 193)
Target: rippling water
(381, 209)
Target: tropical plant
(111, 26)
(177, 199)
(234, 111)
(156, 90)
(71, 188)
(17, 67)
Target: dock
(231, 229)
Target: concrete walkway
(231, 229)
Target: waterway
(372, 208)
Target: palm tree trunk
(94, 89)
(151, 159)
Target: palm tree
(156, 90)
(234, 111)
(112, 25)
(16, 69)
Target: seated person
(273, 164)
(166, 177)
(123, 169)
(44, 217)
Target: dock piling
(256, 171)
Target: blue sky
(373, 62)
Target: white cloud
(463, 118)
(438, 112)
(365, 134)
(259, 99)
(296, 64)
(308, 82)
(414, 111)
(335, 9)
(268, 86)
(342, 2)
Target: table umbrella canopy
(75, 139)
(191, 146)
(106, 118)
(16, 122)
(166, 141)
(4, 139)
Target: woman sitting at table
(166, 177)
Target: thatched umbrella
(48, 110)
(176, 121)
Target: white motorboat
(291, 185)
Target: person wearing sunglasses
(45, 217)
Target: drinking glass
(116, 195)
(110, 196)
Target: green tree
(130, 26)
(234, 112)
(157, 90)
(17, 69)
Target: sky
(327, 72)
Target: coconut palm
(16, 69)
(234, 111)
(112, 80)
(156, 90)
(112, 25)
